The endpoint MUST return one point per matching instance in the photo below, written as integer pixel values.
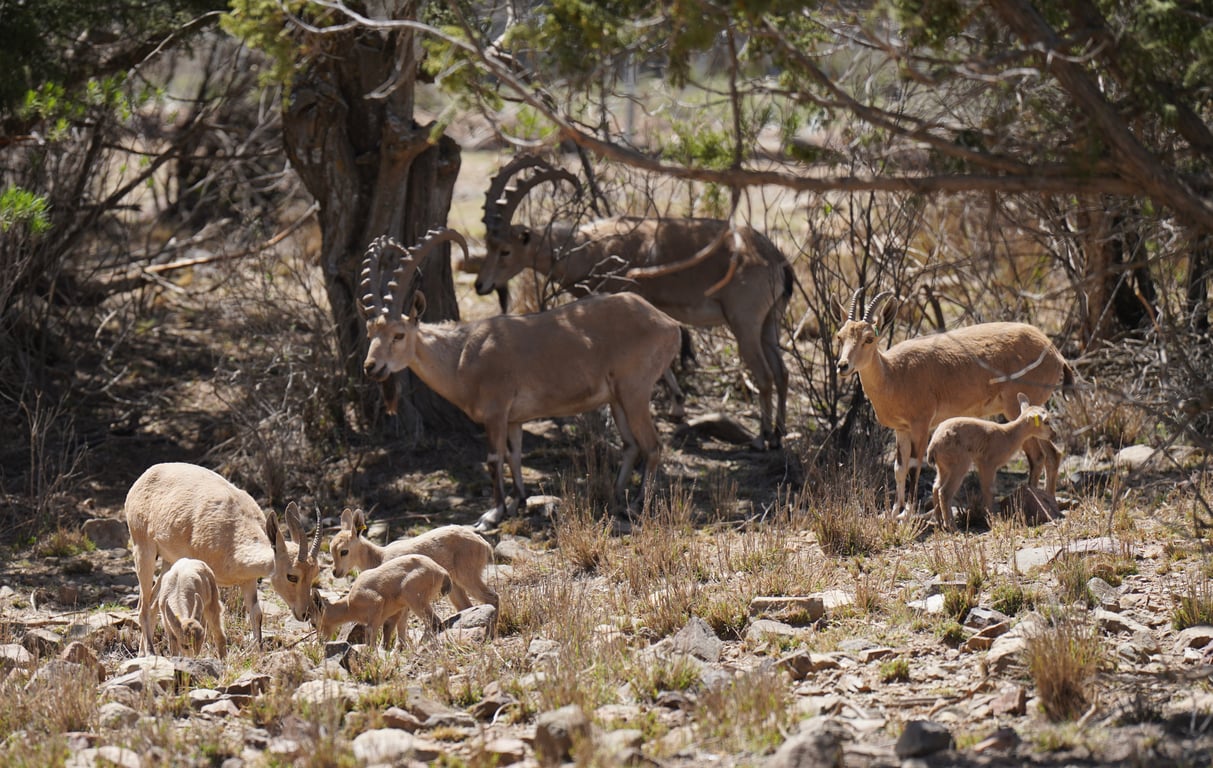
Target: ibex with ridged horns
(701, 272)
(506, 370)
(975, 371)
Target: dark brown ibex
(701, 272)
(506, 370)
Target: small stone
(326, 694)
(557, 733)
(42, 642)
(817, 744)
(14, 656)
(511, 550)
(763, 630)
(1196, 637)
(504, 751)
(921, 738)
(875, 654)
(108, 756)
(114, 715)
(980, 618)
(395, 717)
(799, 610)
(107, 532)
(698, 639)
(1116, 622)
(482, 617)
(1104, 593)
(1010, 701)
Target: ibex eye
(397, 337)
(292, 578)
(343, 552)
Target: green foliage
(264, 26)
(22, 208)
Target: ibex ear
(418, 306)
(887, 316)
(359, 520)
(347, 519)
(524, 235)
(1024, 402)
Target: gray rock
(1117, 623)
(557, 733)
(326, 694)
(42, 642)
(107, 532)
(108, 756)
(504, 751)
(1194, 637)
(760, 631)
(806, 609)
(699, 640)
(482, 616)
(114, 715)
(817, 744)
(387, 746)
(921, 738)
(14, 656)
(980, 618)
(511, 550)
(1104, 594)
(1028, 559)
(395, 717)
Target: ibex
(457, 548)
(383, 597)
(178, 510)
(975, 371)
(701, 272)
(187, 599)
(962, 442)
(506, 370)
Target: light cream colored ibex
(383, 597)
(178, 510)
(701, 272)
(962, 442)
(457, 548)
(187, 598)
(974, 371)
(506, 370)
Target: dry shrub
(752, 712)
(1193, 606)
(1063, 658)
(582, 538)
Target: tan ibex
(383, 597)
(701, 272)
(187, 598)
(962, 442)
(506, 370)
(457, 548)
(975, 371)
(178, 510)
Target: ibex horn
(402, 277)
(854, 303)
(370, 287)
(874, 307)
(314, 552)
(501, 201)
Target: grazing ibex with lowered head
(383, 597)
(506, 370)
(457, 548)
(977, 371)
(187, 598)
(178, 510)
(962, 442)
(701, 272)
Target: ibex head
(392, 334)
(857, 336)
(510, 247)
(296, 565)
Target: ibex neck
(438, 351)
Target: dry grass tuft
(1063, 659)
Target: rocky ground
(871, 664)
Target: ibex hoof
(489, 520)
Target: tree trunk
(374, 171)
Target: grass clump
(895, 670)
(1063, 658)
(1012, 599)
(750, 713)
(1194, 606)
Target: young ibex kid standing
(963, 442)
(457, 548)
(383, 597)
(187, 598)
(976, 371)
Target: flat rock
(14, 656)
(107, 532)
(387, 746)
(803, 610)
(108, 756)
(504, 751)
(1035, 557)
(1117, 623)
(1198, 637)
(759, 631)
(818, 743)
(326, 693)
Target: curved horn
(402, 277)
(370, 287)
(854, 303)
(874, 307)
(295, 525)
(314, 552)
(501, 201)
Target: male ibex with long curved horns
(701, 272)
(506, 370)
